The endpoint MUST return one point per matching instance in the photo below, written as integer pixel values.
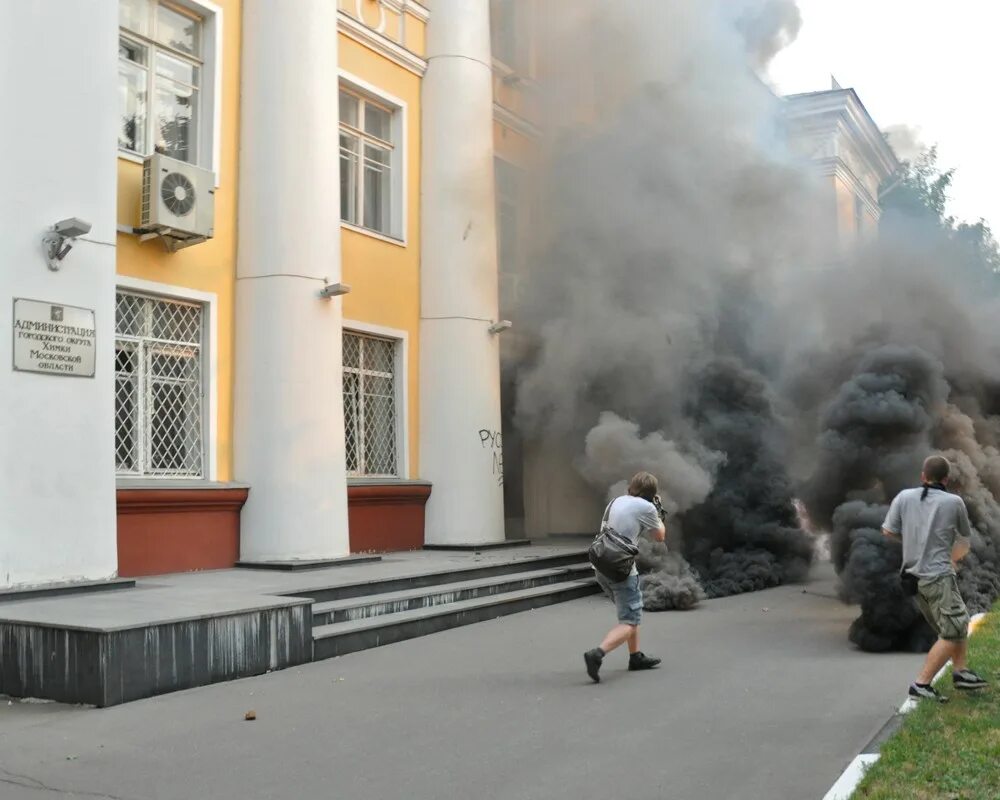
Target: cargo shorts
(943, 607)
(627, 596)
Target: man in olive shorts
(628, 515)
(934, 526)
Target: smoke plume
(689, 312)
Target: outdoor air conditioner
(178, 200)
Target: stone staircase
(351, 617)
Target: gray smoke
(614, 447)
(667, 580)
(768, 26)
(687, 314)
(905, 141)
(659, 221)
(899, 362)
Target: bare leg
(938, 657)
(618, 635)
(633, 640)
(958, 661)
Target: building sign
(53, 338)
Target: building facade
(281, 254)
(833, 130)
(255, 287)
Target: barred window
(158, 387)
(370, 405)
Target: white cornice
(381, 44)
(412, 7)
(844, 106)
(509, 119)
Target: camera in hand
(659, 508)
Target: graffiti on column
(493, 441)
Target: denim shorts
(627, 595)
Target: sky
(933, 66)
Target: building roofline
(847, 105)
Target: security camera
(500, 327)
(72, 227)
(58, 241)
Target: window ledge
(387, 482)
(125, 155)
(373, 234)
(167, 484)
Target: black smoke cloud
(688, 312)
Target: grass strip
(947, 751)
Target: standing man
(934, 526)
(628, 516)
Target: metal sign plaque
(54, 338)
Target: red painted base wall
(386, 517)
(178, 530)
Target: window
(367, 164)
(370, 414)
(508, 188)
(160, 71)
(859, 216)
(158, 387)
(508, 34)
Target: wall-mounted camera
(58, 241)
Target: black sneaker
(967, 679)
(922, 692)
(593, 659)
(637, 661)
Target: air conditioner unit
(178, 201)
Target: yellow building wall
(385, 275)
(210, 266)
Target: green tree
(913, 207)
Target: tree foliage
(914, 204)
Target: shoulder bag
(611, 553)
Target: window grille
(159, 388)
(370, 412)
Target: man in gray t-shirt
(934, 527)
(627, 517)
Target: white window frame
(398, 161)
(401, 377)
(209, 140)
(210, 364)
(517, 206)
(522, 66)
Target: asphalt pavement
(760, 697)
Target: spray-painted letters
(493, 441)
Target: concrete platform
(106, 649)
(55, 589)
(179, 631)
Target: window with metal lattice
(159, 387)
(370, 406)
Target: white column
(57, 433)
(289, 421)
(460, 450)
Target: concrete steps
(341, 638)
(343, 591)
(356, 616)
(410, 599)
